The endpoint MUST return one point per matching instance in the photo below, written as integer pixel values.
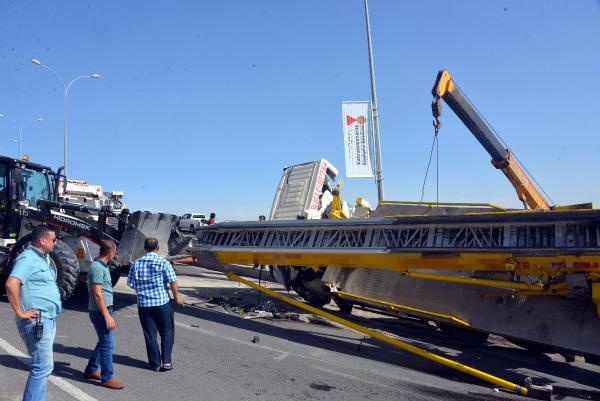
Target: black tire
(313, 291)
(115, 273)
(67, 269)
(3, 279)
(463, 334)
(345, 306)
(192, 228)
(309, 286)
(63, 262)
(313, 298)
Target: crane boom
(502, 158)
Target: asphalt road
(222, 354)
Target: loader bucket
(142, 225)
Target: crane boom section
(502, 158)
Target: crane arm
(502, 158)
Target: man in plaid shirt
(151, 276)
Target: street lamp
(66, 88)
(20, 128)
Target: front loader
(29, 195)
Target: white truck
(304, 191)
(192, 221)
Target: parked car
(192, 221)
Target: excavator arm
(502, 158)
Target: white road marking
(247, 343)
(281, 357)
(58, 381)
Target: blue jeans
(158, 319)
(42, 359)
(102, 357)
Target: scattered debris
(267, 306)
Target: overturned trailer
(531, 276)
(528, 276)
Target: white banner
(356, 120)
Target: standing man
(34, 297)
(151, 276)
(100, 306)
(211, 220)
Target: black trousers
(158, 319)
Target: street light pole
(66, 88)
(20, 128)
(376, 137)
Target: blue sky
(200, 104)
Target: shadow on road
(85, 353)
(510, 363)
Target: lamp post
(20, 128)
(66, 88)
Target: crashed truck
(531, 276)
(32, 194)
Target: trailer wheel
(62, 260)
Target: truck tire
(308, 285)
(63, 262)
(305, 290)
(345, 306)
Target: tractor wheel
(62, 260)
(115, 273)
(67, 269)
(3, 279)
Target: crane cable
(434, 144)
